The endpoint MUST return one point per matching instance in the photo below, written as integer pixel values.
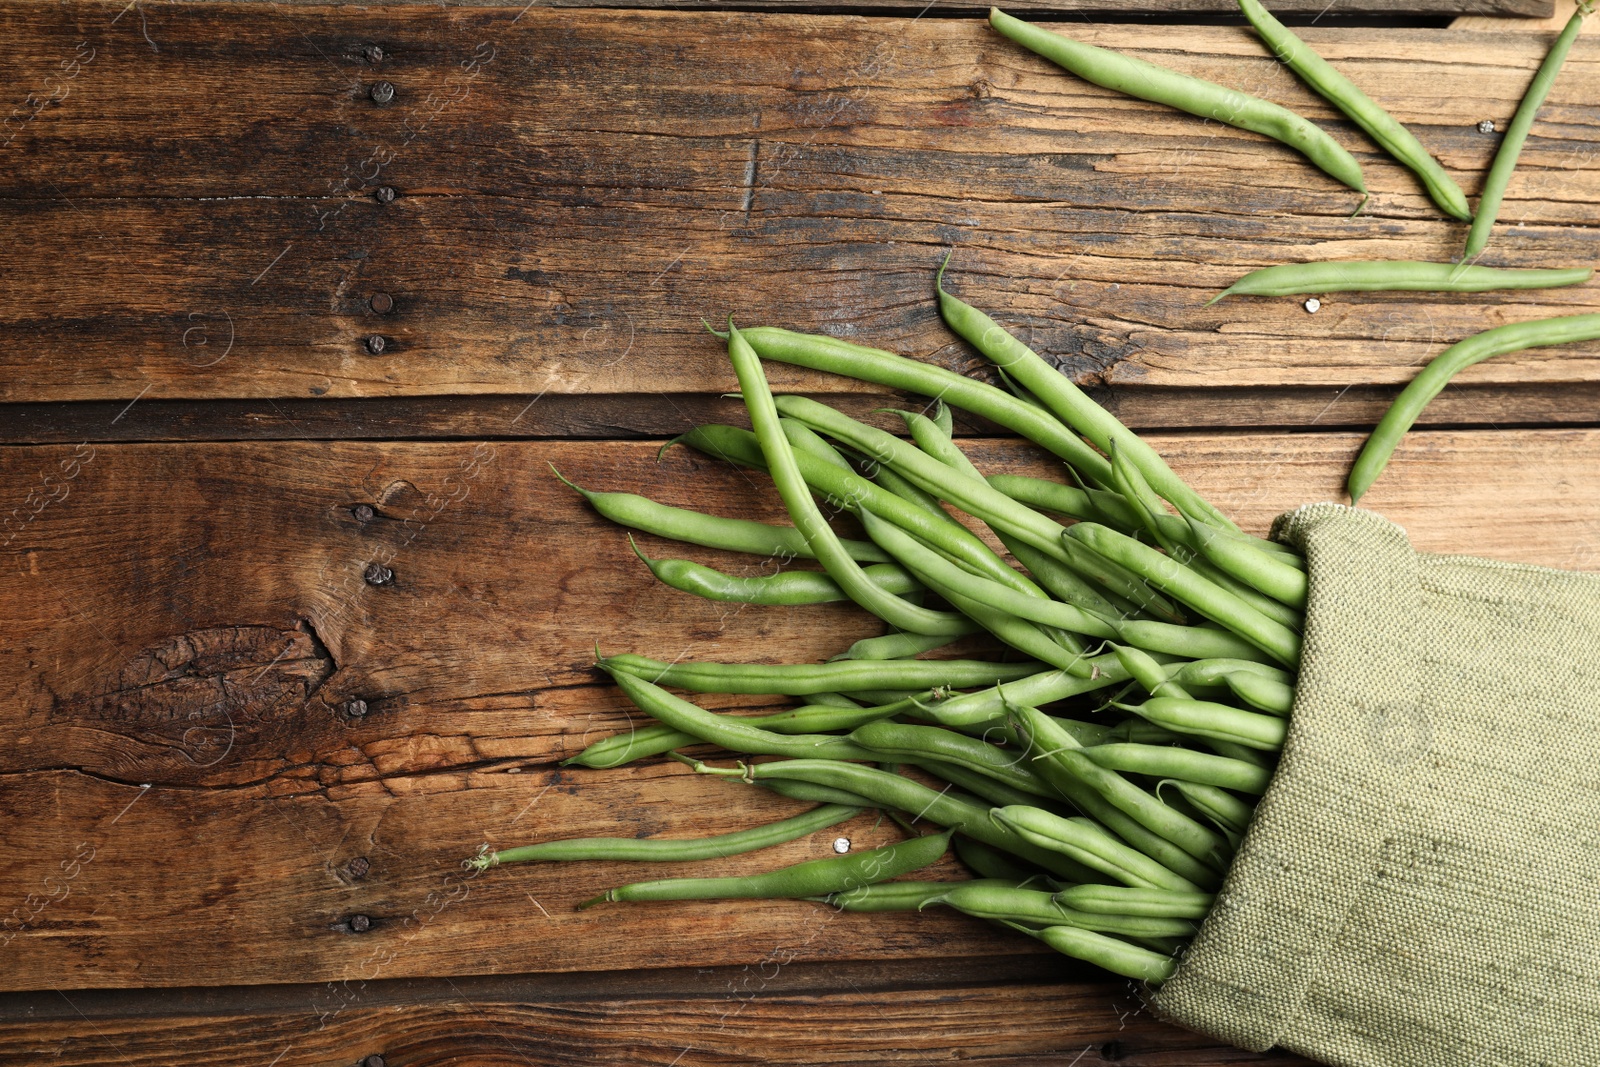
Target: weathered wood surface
(996, 1012)
(183, 797)
(194, 218)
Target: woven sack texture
(1420, 886)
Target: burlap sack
(1420, 886)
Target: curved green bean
(917, 743)
(1206, 719)
(1003, 902)
(894, 646)
(1339, 91)
(815, 878)
(1085, 842)
(1147, 81)
(1505, 160)
(671, 851)
(1436, 375)
(1123, 900)
(1267, 694)
(1393, 275)
(786, 588)
(1108, 953)
(1260, 571)
(1227, 810)
(801, 679)
(1169, 761)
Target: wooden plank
(565, 221)
(996, 1012)
(185, 794)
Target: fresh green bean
(894, 646)
(898, 896)
(1436, 375)
(1206, 719)
(804, 439)
(1147, 81)
(1267, 694)
(1066, 584)
(1119, 582)
(1066, 500)
(656, 849)
(730, 732)
(1393, 275)
(1163, 681)
(1003, 902)
(1123, 900)
(1035, 691)
(1214, 672)
(990, 864)
(788, 588)
(918, 743)
(1070, 403)
(897, 372)
(1227, 810)
(630, 745)
(1261, 571)
(810, 791)
(781, 465)
(1107, 953)
(1188, 588)
(1189, 642)
(711, 531)
(1085, 842)
(1168, 761)
(1505, 160)
(981, 786)
(800, 679)
(892, 792)
(1339, 91)
(814, 878)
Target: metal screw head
(384, 194)
(382, 93)
(1486, 126)
(360, 923)
(372, 54)
(378, 574)
(376, 343)
(355, 709)
(374, 1060)
(382, 303)
(363, 513)
(358, 867)
(841, 845)
(1313, 305)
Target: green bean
(1359, 107)
(1205, 719)
(833, 700)
(1167, 761)
(781, 465)
(1085, 842)
(1036, 690)
(1228, 811)
(1147, 81)
(788, 588)
(890, 791)
(1436, 375)
(898, 896)
(855, 493)
(726, 731)
(897, 372)
(810, 792)
(804, 439)
(943, 418)
(1188, 642)
(800, 679)
(1122, 900)
(1066, 584)
(894, 646)
(1055, 748)
(814, 878)
(1038, 493)
(1107, 953)
(909, 698)
(711, 531)
(656, 849)
(1267, 694)
(1162, 681)
(1188, 588)
(990, 864)
(1119, 581)
(917, 743)
(1393, 275)
(1214, 672)
(981, 786)
(1070, 403)
(1505, 160)
(1004, 902)
(1258, 570)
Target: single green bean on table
(672, 851)
(1406, 408)
(1505, 160)
(786, 588)
(1339, 91)
(894, 646)
(711, 531)
(800, 679)
(1123, 900)
(1393, 275)
(1109, 953)
(814, 878)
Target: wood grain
(195, 219)
(185, 793)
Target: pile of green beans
(1093, 763)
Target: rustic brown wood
(800, 1014)
(184, 793)
(195, 219)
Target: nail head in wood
(374, 1060)
(376, 344)
(372, 54)
(355, 709)
(1486, 126)
(382, 303)
(384, 194)
(382, 93)
(363, 513)
(360, 924)
(358, 867)
(378, 574)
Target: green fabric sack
(1420, 886)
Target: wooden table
(293, 293)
